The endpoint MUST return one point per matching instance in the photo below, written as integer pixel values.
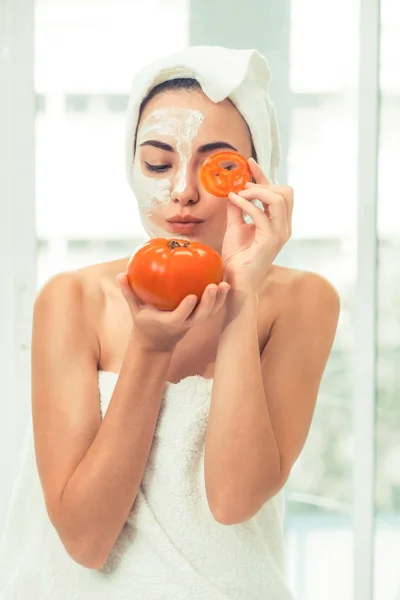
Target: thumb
(132, 299)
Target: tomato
(225, 172)
(163, 271)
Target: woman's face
(177, 131)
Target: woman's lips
(189, 227)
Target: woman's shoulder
(87, 286)
(290, 287)
(291, 277)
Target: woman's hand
(161, 330)
(249, 249)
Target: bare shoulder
(76, 304)
(86, 287)
(304, 315)
(299, 290)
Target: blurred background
(64, 203)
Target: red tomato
(163, 271)
(225, 172)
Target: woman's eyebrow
(157, 144)
(215, 146)
(203, 149)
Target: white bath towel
(243, 76)
(171, 547)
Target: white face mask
(182, 125)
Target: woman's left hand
(249, 249)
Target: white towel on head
(243, 76)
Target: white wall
(17, 236)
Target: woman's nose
(190, 195)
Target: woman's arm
(90, 470)
(261, 411)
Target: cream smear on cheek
(152, 192)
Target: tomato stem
(177, 244)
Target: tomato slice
(225, 172)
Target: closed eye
(229, 166)
(156, 168)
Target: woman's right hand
(161, 330)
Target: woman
(163, 440)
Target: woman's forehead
(192, 100)
(217, 120)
